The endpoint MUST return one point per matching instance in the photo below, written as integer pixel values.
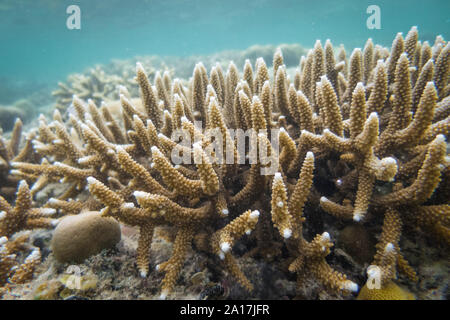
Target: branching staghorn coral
(13, 242)
(16, 219)
(12, 271)
(350, 125)
(288, 219)
(411, 144)
(18, 148)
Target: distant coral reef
(362, 138)
(100, 83)
(96, 84)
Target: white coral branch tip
(48, 211)
(225, 247)
(91, 180)
(326, 236)
(254, 214)
(139, 66)
(389, 247)
(34, 255)
(388, 161)
(359, 86)
(440, 138)
(22, 184)
(350, 286)
(120, 149)
(84, 160)
(372, 115)
(287, 233)
(3, 240)
(256, 99)
(357, 216)
(140, 194)
(155, 149)
(163, 295)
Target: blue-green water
(37, 47)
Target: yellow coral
(389, 291)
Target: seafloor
(112, 274)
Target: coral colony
(229, 155)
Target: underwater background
(39, 50)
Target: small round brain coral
(80, 236)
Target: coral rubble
(365, 135)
